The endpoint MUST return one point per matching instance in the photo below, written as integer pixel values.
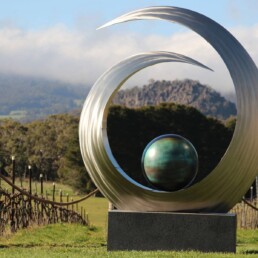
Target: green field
(72, 240)
(47, 187)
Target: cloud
(82, 56)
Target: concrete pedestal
(151, 231)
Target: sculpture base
(149, 231)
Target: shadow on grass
(50, 245)
(18, 245)
(250, 252)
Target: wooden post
(67, 200)
(30, 175)
(61, 195)
(251, 194)
(13, 173)
(41, 184)
(54, 190)
(12, 222)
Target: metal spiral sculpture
(228, 182)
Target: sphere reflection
(170, 162)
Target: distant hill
(186, 92)
(27, 98)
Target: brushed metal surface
(228, 182)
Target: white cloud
(82, 56)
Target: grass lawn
(72, 240)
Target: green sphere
(170, 162)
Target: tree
(72, 170)
(13, 136)
(231, 123)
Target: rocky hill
(186, 92)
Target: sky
(57, 39)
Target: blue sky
(31, 14)
(57, 39)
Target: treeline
(51, 146)
(130, 130)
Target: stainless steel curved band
(227, 183)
